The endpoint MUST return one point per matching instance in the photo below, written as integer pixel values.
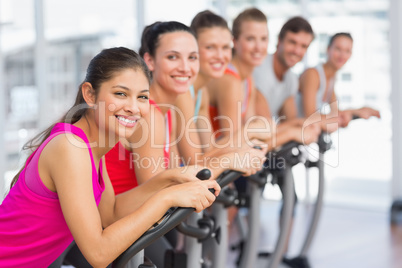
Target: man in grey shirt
(279, 85)
(273, 78)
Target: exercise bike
(172, 218)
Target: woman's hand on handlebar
(246, 160)
(183, 174)
(307, 134)
(344, 118)
(366, 113)
(259, 128)
(257, 144)
(195, 194)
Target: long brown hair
(341, 34)
(103, 67)
(207, 19)
(250, 14)
(153, 32)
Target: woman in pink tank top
(63, 193)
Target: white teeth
(126, 120)
(182, 78)
(217, 65)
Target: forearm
(285, 125)
(131, 200)
(117, 237)
(284, 134)
(329, 122)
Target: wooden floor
(345, 238)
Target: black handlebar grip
(172, 218)
(204, 174)
(257, 147)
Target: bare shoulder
(309, 79)
(63, 160)
(230, 86)
(205, 96)
(223, 83)
(152, 128)
(66, 143)
(310, 73)
(65, 148)
(183, 100)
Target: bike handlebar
(170, 220)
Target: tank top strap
(61, 128)
(153, 103)
(33, 180)
(191, 89)
(324, 93)
(68, 128)
(168, 120)
(98, 184)
(197, 101)
(231, 69)
(197, 104)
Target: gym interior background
(45, 46)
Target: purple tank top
(33, 232)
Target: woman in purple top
(63, 191)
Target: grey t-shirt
(275, 91)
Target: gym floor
(345, 237)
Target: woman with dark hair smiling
(63, 192)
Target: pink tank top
(33, 232)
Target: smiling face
(292, 47)
(121, 102)
(252, 43)
(340, 51)
(215, 51)
(175, 65)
